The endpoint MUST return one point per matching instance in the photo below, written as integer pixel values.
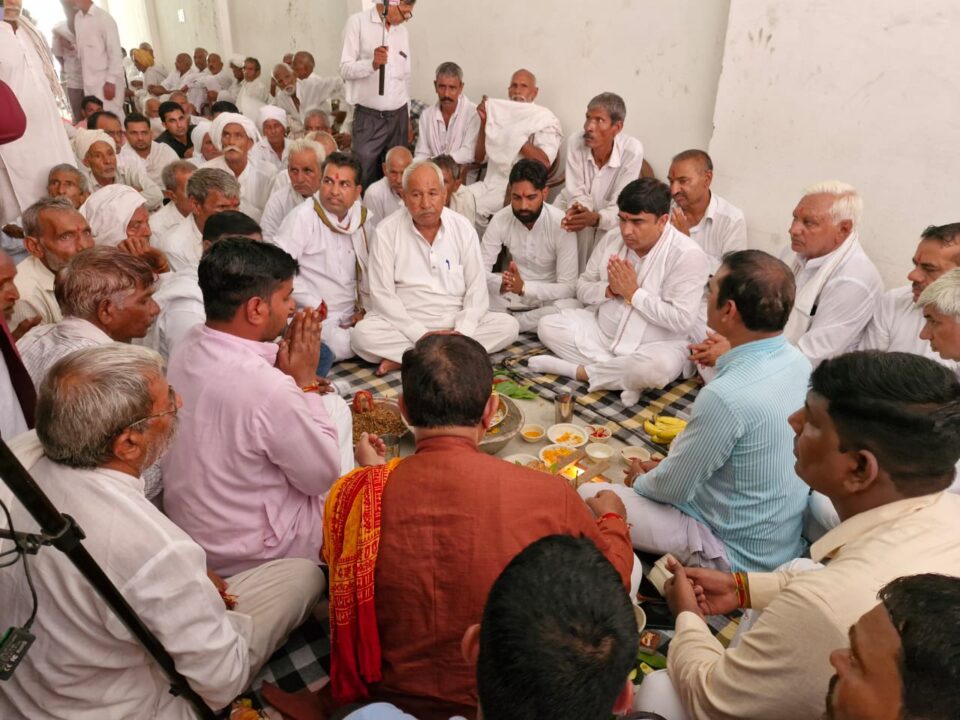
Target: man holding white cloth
(837, 284)
(451, 125)
(510, 130)
(426, 275)
(642, 290)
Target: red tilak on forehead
(336, 176)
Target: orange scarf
(351, 541)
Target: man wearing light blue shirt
(727, 495)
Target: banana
(663, 429)
(667, 420)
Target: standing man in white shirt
(292, 188)
(601, 160)
(98, 45)
(426, 275)
(140, 149)
(174, 179)
(542, 276)
(235, 135)
(329, 239)
(837, 284)
(64, 48)
(898, 319)
(372, 42)
(717, 226)
(385, 196)
(641, 290)
(89, 464)
(451, 125)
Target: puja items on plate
(374, 418)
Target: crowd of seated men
(172, 309)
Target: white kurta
(45, 344)
(546, 256)
(294, 113)
(458, 140)
(255, 182)
(317, 92)
(85, 664)
(181, 307)
(464, 202)
(64, 45)
(182, 244)
(265, 156)
(165, 219)
(381, 201)
(98, 45)
(416, 287)
(641, 344)
(251, 96)
(330, 263)
(721, 230)
(160, 156)
(25, 163)
(35, 284)
(134, 176)
(282, 201)
(597, 188)
(845, 304)
(896, 327)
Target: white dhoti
(374, 338)
(659, 528)
(575, 336)
(338, 340)
(338, 411)
(529, 319)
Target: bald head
(397, 160)
(523, 86)
(183, 62)
(303, 64)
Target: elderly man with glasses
(89, 464)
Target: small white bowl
(520, 459)
(603, 433)
(629, 453)
(599, 451)
(641, 618)
(531, 428)
(555, 432)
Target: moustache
(232, 148)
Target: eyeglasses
(172, 411)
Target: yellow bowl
(536, 433)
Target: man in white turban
(97, 154)
(118, 217)
(203, 147)
(234, 135)
(26, 66)
(272, 149)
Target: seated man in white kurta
(426, 275)
(299, 181)
(510, 130)
(837, 283)
(897, 319)
(601, 160)
(234, 135)
(451, 125)
(328, 238)
(642, 289)
(541, 278)
(385, 196)
(97, 156)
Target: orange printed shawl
(351, 540)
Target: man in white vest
(642, 291)
(837, 284)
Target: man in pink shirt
(260, 444)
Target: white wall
(861, 90)
(662, 57)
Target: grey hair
(282, 65)
(314, 111)
(612, 104)
(450, 69)
(943, 294)
(533, 77)
(171, 170)
(394, 150)
(205, 180)
(31, 216)
(847, 204)
(304, 145)
(416, 165)
(67, 167)
(90, 396)
(98, 274)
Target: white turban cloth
(108, 210)
(272, 112)
(224, 119)
(237, 60)
(84, 140)
(196, 137)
